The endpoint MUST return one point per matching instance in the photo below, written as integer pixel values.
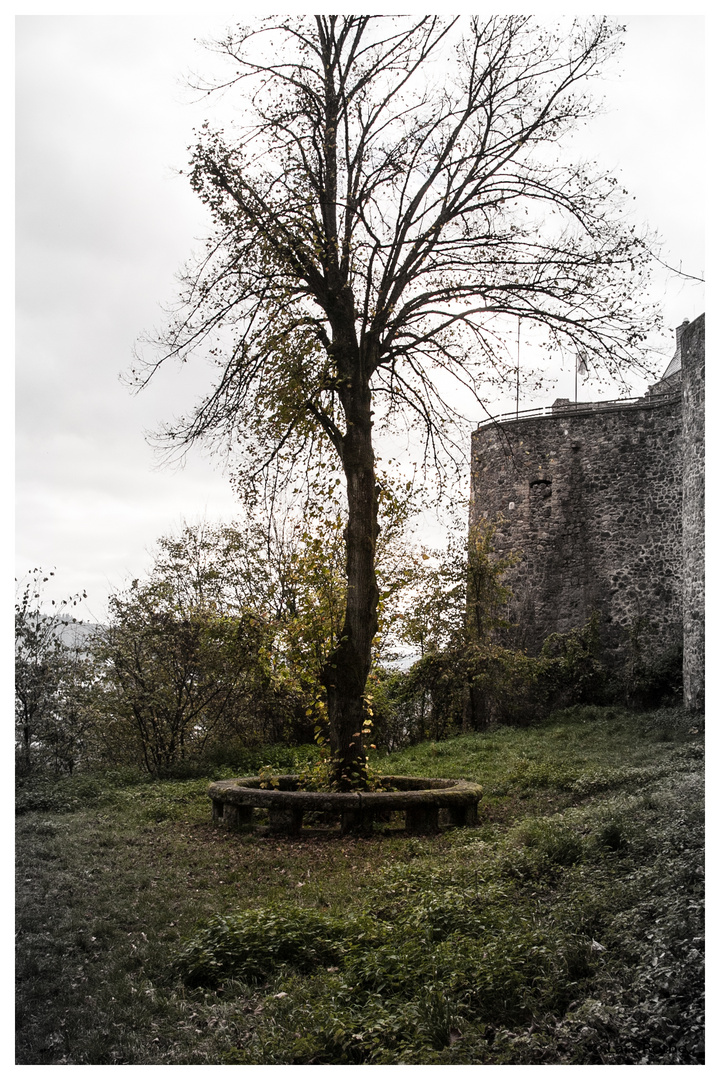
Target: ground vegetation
(566, 928)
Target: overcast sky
(104, 222)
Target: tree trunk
(348, 666)
(27, 740)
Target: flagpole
(517, 375)
(581, 365)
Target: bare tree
(393, 197)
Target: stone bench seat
(419, 798)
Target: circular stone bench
(421, 799)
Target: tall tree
(176, 672)
(392, 196)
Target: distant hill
(75, 634)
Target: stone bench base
(420, 799)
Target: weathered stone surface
(692, 347)
(419, 798)
(605, 505)
(593, 503)
(285, 819)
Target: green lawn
(566, 928)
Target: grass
(565, 929)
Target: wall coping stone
(419, 797)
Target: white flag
(583, 365)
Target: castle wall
(592, 499)
(693, 512)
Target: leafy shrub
(572, 672)
(65, 794)
(236, 758)
(651, 676)
(611, 835)
(551, 840)
(526, 774)
(329, 1024)
(321, 775)
(252, 945)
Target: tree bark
(348, 666)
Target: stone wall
(693, 512)
(592, 500)
(605, 505)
